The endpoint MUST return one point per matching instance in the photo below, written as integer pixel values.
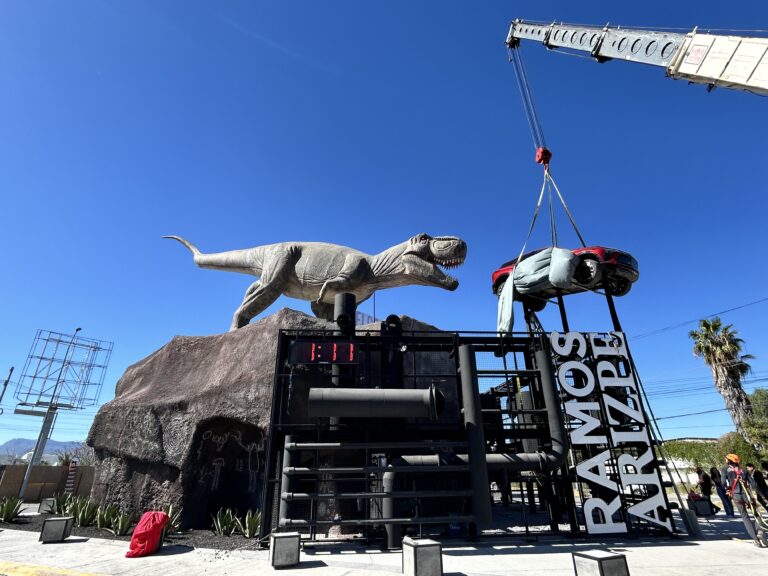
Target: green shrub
(86, 514)
(61, 503)
(174, 518)
(121, 524)
(249, 526)
(9, 509)
(105, 516)
(74, 505)
(224, 522)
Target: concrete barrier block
(599, 563)
(284, 549)
(422, 557)
(56, 529)
(691, 523)
(46, 506)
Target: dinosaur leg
(263, 292)
(323, 310)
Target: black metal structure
(380, 434)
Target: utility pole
(49, 418)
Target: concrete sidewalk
(717, 554)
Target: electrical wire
(681, 324)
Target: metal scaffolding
(62, 372)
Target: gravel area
(190, 538)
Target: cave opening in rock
(223, 470)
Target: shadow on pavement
(71, 540)
(309, 564)
(173, 550)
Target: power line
(681, 324)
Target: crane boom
(736, 62)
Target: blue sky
(243, 123)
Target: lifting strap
(543, 154)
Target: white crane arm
(736, 62)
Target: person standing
(735, 479)
(705, 485)
(717, 480)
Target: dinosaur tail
(242, 261)
(191, 247)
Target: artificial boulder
(188, 424)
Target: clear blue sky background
(242, 123)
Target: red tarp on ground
(145, 539)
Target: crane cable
(543, 154)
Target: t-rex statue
(317, 271)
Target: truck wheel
(535, 303)
(588, 273)
(620, 287)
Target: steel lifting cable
(543, 154)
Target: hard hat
(733, 458)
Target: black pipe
(432, 466)
(473, 425)
(286, 485)
(375, 403)
(387, 521)
(373, 445)
(543, 461)
(345, 316)
(374, 495)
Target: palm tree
(721, 349)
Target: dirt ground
(191, 538)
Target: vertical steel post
(561, 307)
(344, 308)
(473, 424)
(612, 310)
(285, 484)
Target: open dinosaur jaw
(445, 280)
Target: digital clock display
(322, 352)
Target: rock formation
(188, 423)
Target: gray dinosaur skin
(317, 271)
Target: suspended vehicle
(715, 60)
(599, 267)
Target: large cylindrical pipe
(473, 425)
(530, 461)
(556, 453)
(388, 510)
(375, 403)
(345, 312)
(286, 484)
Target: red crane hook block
(543, 155)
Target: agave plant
(74, 505)
(249, 526)
(174, 518)
(61, 503)
(121, 524)
(86, 514)
(9, 509)
(105, 515)
(224, 522)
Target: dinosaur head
(424, 255)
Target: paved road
(716, 554)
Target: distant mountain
(20, 446)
